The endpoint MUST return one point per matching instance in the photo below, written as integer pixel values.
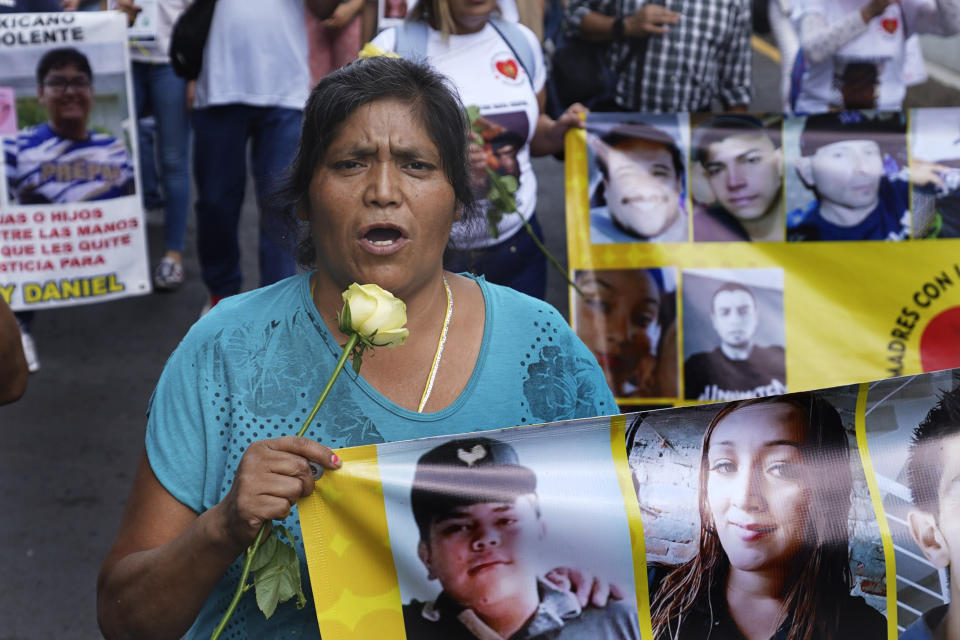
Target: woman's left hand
(588, 588)
(573, 117)
(343, 14)
(550, 133)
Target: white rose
(375, 314)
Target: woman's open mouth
(383, 239)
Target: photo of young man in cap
(637, 193)
(854, 163)
(481, 536)
(933, 473)
(743, 167)
(63, 160)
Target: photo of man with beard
(738, 367)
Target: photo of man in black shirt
(739, 367)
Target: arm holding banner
(13, 365)
(167, 559)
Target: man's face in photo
(847, 173)
(734, 317)
(67, 94)
(485, 553)
(949, 516)
(642, 187)
(745, 170)
(938, 534)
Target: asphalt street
(69, 447)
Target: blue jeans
(516, 263)
(160, 92)
(151, 194)
(220, 135)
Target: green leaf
(473, 114)
(268, 548)
(356, 364)
(278, 579)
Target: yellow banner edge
(886, 538)
(315, 512)
(618, 431)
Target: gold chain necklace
(440, 344)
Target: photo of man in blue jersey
(62, 160)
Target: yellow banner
(667, 271)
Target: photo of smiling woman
(772, 558)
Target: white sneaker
(30, 352)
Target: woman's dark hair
(819, 586)
(335, 98)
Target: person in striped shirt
(62, 160)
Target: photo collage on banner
(71, 222)
(844, 502)
(728, 256)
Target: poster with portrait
(392, 13)
(913, 435)
(71, 223)
(839, 508)
(854, 215)
(419, 533)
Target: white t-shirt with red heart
(488, 75)
(880, 51)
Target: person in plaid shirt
(682, 55)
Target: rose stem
(252, 549)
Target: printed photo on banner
(935, 161)
(638, 177)
(757, 520)
(71, 222)
(391, 13)
(736, 178)
(850, 178)
(733, 334)
(627, 318)
(913, 434)
(70, 144)
(486, 528)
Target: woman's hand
(343, 14)
(271, 477)
(129, 8)
(925, 173)
(588, 588)
(548, 137)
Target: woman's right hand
(271, 477)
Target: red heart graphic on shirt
(889, 24)
(507, 68)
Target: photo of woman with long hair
(772, 556)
